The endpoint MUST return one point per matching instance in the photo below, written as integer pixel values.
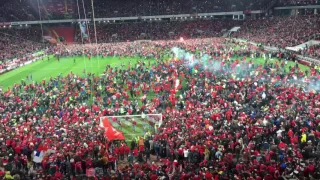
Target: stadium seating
(17, 10)
(19, 43)
(280, 31)
(312, 51)
(67, 33)
(159, 30)
(22, 10)
(298, 2)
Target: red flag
(110, 132)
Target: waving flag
(110, 132)
(83, 30)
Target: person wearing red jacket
(126, 150)
(208, 175)
(121, 152)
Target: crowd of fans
(159, 30)
(19, 44)
(312, 51)
(165, 7)
(280, 31)
(297, 2)
(230, 119)
(23, 10)
(26, 10)
(17, 10)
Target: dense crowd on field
(230, 119)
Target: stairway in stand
(67, 33)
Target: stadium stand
(160, 30)
(17, 43)
(23, 10)
(312, 51)
(67, 33)
(280, 31)
(297, 2)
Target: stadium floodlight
(4, 26)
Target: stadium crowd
(160, 30)
(297, 2)
(312, 51)
(17, 10)
(280, 31)
(228, 118)
(19, 44)
(23, 10)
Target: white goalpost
(135, 125)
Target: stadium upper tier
(297, 2)
(25, 10)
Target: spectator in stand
(19, 44)
(312, 51)
(23, 10)
(297, 2)
(280, 31)
(157, 30)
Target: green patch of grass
(44, 69)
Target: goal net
(133, 126)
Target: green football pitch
(44, 69)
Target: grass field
(44, 69)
